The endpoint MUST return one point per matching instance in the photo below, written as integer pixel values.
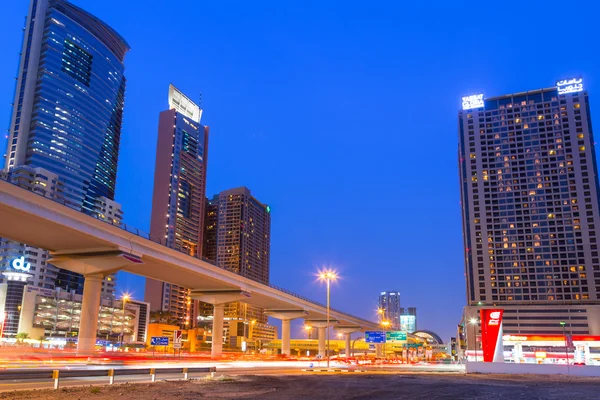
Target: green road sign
(395, 337)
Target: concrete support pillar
(517, 353)
(348, 350)
(285, 336)
(217, 331)
(90, 308)
(322, 334)
(378, 350)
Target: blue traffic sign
(159, 341)
(375, 336)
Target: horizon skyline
(335, 240)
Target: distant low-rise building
(55, 314)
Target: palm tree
(22, 336)
(162, 317)
(42, 339)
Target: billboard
(491, 335)
(408, 323)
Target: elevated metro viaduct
(95, 249)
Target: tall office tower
(240, 242)
(389, 306)
(68, 105)
(529, 191)
(179, 197)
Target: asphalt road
(294, 385)
(232, 369)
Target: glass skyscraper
(69, 100)
(68, 106)
(389, 308)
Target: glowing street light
(125, 297)
(308, 329)
(328, 276)
(380, 313)
(474, 321)
(385, 324)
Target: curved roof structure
(107, 35)
(429, 336)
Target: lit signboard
(159, 341)
(473, 101)
(395, 337)
(375, 336)
(569, 86)
(491, 335)
(20, 264)
(408, 323)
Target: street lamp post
(473, 321)
(328, 276)
(124, 300)
(308, 329)
(386, 324)
(353, 342)
(563, 324)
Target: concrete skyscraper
(242, 234)
(529, 192)
(389, 308)
(179, 197)
(238, 239)
(68, 106)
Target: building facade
(47, 184)
(389, 308)
(408, 319)
(242, 234)
(178, 203)
(41, 273)
(238, 239)
(55, 314)
(529, 195)
(68, 106)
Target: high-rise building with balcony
(529, 192)
(238, 239)
(42, 274)
(68, 106)
(47, 184)
(389, 308)
(179, 197)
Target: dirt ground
(333, 387)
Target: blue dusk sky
(341, 115)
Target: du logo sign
(20, 264)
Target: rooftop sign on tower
(183, 105)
